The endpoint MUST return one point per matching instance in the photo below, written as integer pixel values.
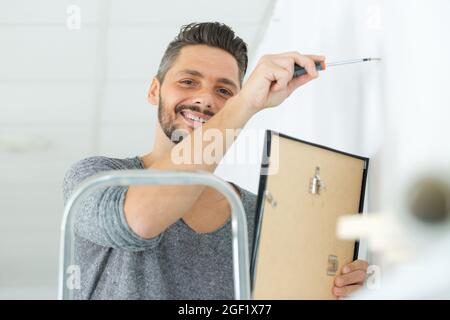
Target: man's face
(195, 88)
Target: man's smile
(193, 118)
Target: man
(174, 242)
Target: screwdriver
(298, 71)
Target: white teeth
(194, 118)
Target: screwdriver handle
(298, 71)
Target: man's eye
(187, 81)
(225, 91)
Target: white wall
(396, 112)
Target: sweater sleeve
(100, 217)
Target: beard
(175, 132)
(170, 129)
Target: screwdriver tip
(372, 59)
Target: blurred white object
(423, 277)
(412, 242)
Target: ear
(153, 92)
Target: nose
(204, 99)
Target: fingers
(268, 85)
(281, 75)
(276, 72)
(308, 62)
(319, 58)
(288, 59)
(354, 277)
(346, 291)
(316, 57)
(355, 265)
(299, 81)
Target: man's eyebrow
(191, 72)
(198, 74)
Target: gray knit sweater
(116, 263)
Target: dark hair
(213, 34)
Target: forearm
(223, 127)
(151, 209)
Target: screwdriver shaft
(298, 70)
